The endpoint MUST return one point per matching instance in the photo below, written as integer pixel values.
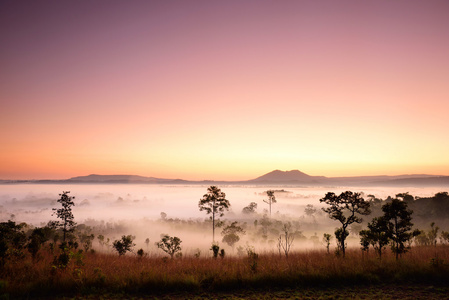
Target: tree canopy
(67, 223)
(214, 202)
(345, 208)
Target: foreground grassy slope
(96, 274)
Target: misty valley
(147, 211)
(256, 231)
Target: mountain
(293, 176)
(94, 178)
(276, 177)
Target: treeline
(64, 249)
(251, 227)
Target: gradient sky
(223, 90)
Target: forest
(353, 239)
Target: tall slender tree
(214, 202)
(271, 199)
(67, 223)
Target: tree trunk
(213, 222)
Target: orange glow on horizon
(224, 91)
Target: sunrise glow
(223, 90)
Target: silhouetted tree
(38, 237)
(12, 240)
(86, 240)
(169, 244)
(67, 223)
(250, 209)
(399, 224)
(433, 234)
(310, 210)
(345, 208)
(215, 249)
(286, 239)
(271, 199)
(140, 253)
(124, 245)
(406, 197)
(327, 240)
(214, 202)
(231, 234)
(377, 235)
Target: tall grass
(155, 274)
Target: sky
(223, 90)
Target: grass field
(422, 271)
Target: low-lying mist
(147, 211)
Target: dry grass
(153, 275)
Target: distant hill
(293, 176)
(276, 177)
(94, 178)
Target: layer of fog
(136, 209)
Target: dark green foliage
(67, 223)
(377, 235)
(345, 208)
(399, 217)
(169, 244)
(440, 203)
(253, 258)
(406, 197)
(12, 241)
(214, 202)
(38, 237)
(86, 240)
(215, 249)
(341, 235)
(140, 253)
(124, 245)
(63, 259)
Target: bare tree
(285, 240)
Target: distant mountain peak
(284, 176)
